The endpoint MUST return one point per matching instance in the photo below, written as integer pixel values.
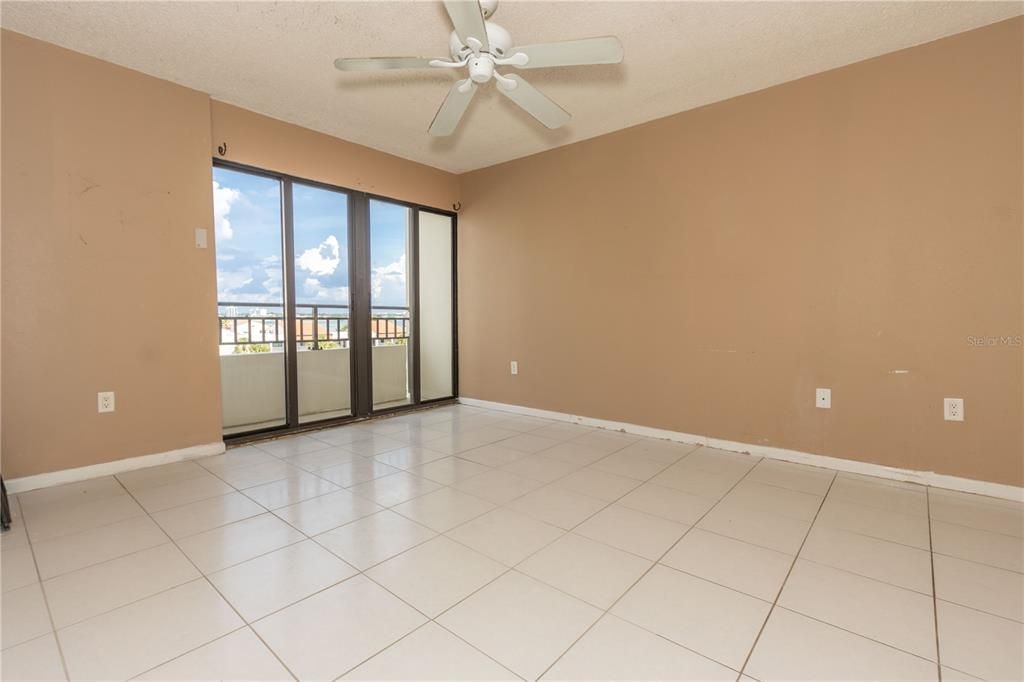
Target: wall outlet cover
(823, 398)
(105, 401)
(514, 367)
(953, 409)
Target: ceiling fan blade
(468, 21)
(447, 118)
(536, 103)
(603, 50)
(382, 63)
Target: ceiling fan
(481, 45)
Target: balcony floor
(472, 544)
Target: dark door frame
(360, 310)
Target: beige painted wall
(788, 239)
(264, 142)
(105, 177)
(706, 272)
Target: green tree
(252, 348)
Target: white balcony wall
(252, 388)
(252, 384)
(323, 383)
(390, 374)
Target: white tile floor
(460, 543)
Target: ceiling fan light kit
(481, 46)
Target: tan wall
(787, 239)
(105, 177)
(705, 272)
(263, 142)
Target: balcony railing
(326, 324)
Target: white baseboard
(26, 483)
(929, 478)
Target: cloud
(326, 268)
(253, 279)
(389, 284)
(231, 281)
(323, 259)
(316, 289)
(223, 198)
(271, 266)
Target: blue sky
(247, 214)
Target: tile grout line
(373, 458)
(864, 577)
(815, 618)
(202, 575)
(359, 572)
(444, 534)
(209, 582)
(873, 537)
(859, 635)
(498, 506)
(508, 569)
(285, 460)
(789, 573)
(935, 597)
(975, 609)
(925, 493)
(382, 508)
(245, 626)
(428, 621)
(248, 625)
(42, 591)
(608, 610)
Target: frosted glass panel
(435, 306)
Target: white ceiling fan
(481, 45)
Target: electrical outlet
(105, 401)
(514, 367)
(823, 398)
(953, 409)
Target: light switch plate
(823, 398)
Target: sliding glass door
(250, 299)
(321, 286)
(333, 304)
(390, 322)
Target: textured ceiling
(276, 58)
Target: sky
(247, 215)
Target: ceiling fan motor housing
(481, 64)
(499, 42)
